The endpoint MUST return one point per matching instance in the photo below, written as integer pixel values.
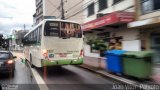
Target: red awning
(110, 19)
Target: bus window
(70, 30)
(51, 29)
(78, 31)
(40, 33)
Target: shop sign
(113, 18)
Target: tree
(1, 39)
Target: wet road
(75, 78)
(21, 75)
(22, 78)
(64, 78)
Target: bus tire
(32, 66)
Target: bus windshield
(62, 29)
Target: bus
(54, 42)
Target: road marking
(42, 85)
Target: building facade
(147, 22)
(53, 9)
(16, 39)
(105, 26)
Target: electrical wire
(79, 11)
(84, 5)
(56, 8)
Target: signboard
(113, 18)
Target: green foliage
(97, 44)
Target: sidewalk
(156, 74)
(96, 66)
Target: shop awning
(114, 18)
(145, 23)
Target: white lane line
(41, 83)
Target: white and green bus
(54, 42)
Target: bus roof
(50, 20)
(60, 20)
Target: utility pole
(62, 5)
(24, 27)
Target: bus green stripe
(62, 62)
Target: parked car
(7, 62)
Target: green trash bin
(138, 64)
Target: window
(91, 9)
(34, 36)
(102, 4)
(4, 55)
(116, 1)
(40, 33)
(68, 30)
(37, 35)
(148, 6)
(156, 4)
(51, 28)
(157, 40)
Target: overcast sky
(15, 13)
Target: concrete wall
(72, 9)
(50, 8)
(125, 5)
(127, 34)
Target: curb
(130, 83)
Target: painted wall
(125, 5)
(127, 34)
(72, 9)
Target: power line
(79, 11)
(74, 5)
(52, 4)
(84, 5)
(62, 9)
(54, 11)
(56, 8)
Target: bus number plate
(62, 55)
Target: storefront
(108, 32)
(149, 35)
